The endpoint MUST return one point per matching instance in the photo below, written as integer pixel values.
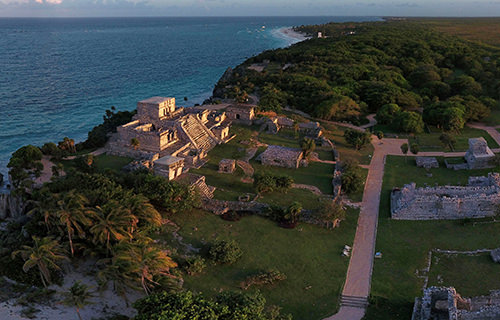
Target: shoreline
(292, 36)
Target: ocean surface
(57, 76)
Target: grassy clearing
(308, 255)
(285, 138)
(336, 135)
(465, 273)
(316, 174)
(430, 141)
(405, 244)
(115, 163)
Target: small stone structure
(476, 200)
(227, 165)
(241, 113)
(427, 162)
(281, 157)
(311, 129)
(197, 182)
(495, 255)
(169, 167)
(444, 303)
(479, 154)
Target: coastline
(290, 35)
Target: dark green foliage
(225, 251)
(98, 136)
(187, 306)
(51, 149)
(414, 148)
(388, 113)
(195, 265)
(357, 138)
(404, 63)
(271, 98)
(263, 278)
(268, 183)
(24, 163)
(352, 177)
(307, 145)
(448, 140)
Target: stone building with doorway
(281, 157)
(241, 113)
(479, 154)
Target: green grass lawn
(430, 141)
(115, 163)
(336, 135)
(316, 174)
(465, 273)
(308, 255)
(405, 244)
(284, 138)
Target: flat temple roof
(168, 160)
(155, 100)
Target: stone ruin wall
(443, 203)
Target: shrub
(225, 251)
(268, 183)
(352, 179)
(195, 265)
(356, 138)
(263, 278)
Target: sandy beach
(291, 35)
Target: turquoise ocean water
(57, 76)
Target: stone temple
(444, 303)
(162, 129)
(479, 154)
(478, 199)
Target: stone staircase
(204, 190)
(354, 302)
(198, 133)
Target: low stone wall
(477, 200)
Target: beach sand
(294, 36)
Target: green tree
(45, 254)
(78, 296)
(388, 113)
(146, 263)
(113, 222)
(404, 149)
(73, 215)
(25, 163)
(225, 251)
(414, 148)
(448, 140)
(293, 212)
(352, 177)
(307, 145)
(331, 213)
(410, 122)
(357, 138)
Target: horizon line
(255, 16)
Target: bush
(263, 278)
(51, 149)
(357, 138)
(225, 251)
(268, 183)
(195, 265)
(352, 178)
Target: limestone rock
(495, 255)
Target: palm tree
(118, 272)
(45, 254)
(45, 206)
(78, 296)
(146, 263)
(72, 215)
(293, 211)
(307, 145)
(140, 207)
(114, 222)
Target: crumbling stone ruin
(310, 129)
(427, 162)
(159, 127)
(479, 154)
(227, 166)
(241, 113)
(440, 303)
(476, 200)
(281, 157)
(169, 167)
